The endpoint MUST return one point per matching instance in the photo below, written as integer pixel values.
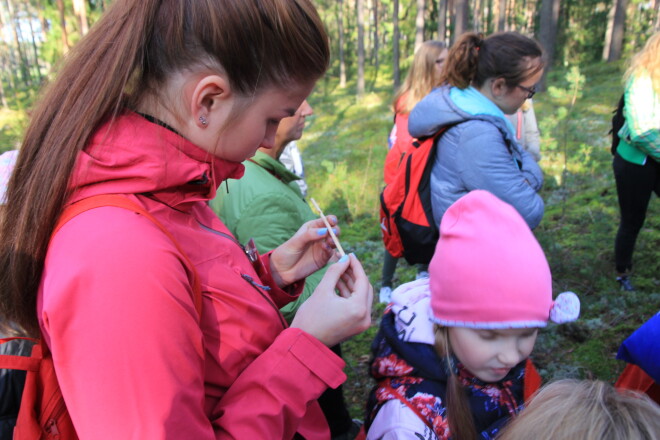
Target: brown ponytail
(459, 414)
(134, 48)
(474, 59)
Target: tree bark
(340, 31)
(396, 72)
(419, 23)
(614, 35)
(461, 13)
(375, 38)
(80, 9)
(548, 33)
(359, 6)
(442, 20)
(65, 37)
(501, 16)
(22, 59)
(35, 50)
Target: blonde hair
(647, 60)
(586, 410)
(421, 77)
(459, 415)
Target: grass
(344, 147)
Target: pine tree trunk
(360, 46)
(340, 31)
(442, 20)
(419, 23)
(548, 33)
(396, 48)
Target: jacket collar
(130, 155)
(275, 167)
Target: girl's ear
(210, 101)
(498, 87)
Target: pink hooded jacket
(133, 358)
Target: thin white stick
(327, 225)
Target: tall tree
(359, 6)
(501, 15)
(548, 33)
(419, 23)
(16, 29)
(33, 38)
(375, 39)
(80, 9)
(442, 20)
(65, 37)
(340, 31)
(461, 14)
(616, 23)
(396, 35)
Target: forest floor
(344, 147)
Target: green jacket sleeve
(642, 114)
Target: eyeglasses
(531, 91)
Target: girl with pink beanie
(451, 358)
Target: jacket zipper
(248, 278)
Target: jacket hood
(131, 155)
(274, 166)
(446, 106)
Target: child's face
(491, 354)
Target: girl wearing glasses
(484, 79)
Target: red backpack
(406, 217)
(43, 414)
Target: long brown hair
(130, 53)
(474, 59)
(421, 77)
(459, 415)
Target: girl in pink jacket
(160, 103)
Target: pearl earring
(203, 121)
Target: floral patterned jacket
(409, 398)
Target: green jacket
(266, 204)
(640, 135)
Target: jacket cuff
(281, 296)
(312, 353)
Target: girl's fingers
(342, 289)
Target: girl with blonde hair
(587, 410)
(636, 163)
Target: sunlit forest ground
(344, 147)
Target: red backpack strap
(532, 380)
(387, 385)
(119, 201)
(16, 362)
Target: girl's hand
(331, 317)
(307, 251)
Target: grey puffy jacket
(478, 151)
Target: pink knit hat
(488, 270)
